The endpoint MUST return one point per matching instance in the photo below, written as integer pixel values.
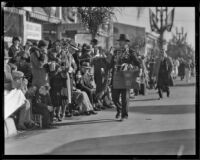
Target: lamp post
(162, 21)
(181, 36)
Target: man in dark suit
(164, 74)
(123, 55)
(85, 83)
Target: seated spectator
(81, 99)
(86, 54)
(7, 72)
(13, 97)
(42, 105)
(84, 84)
(24, 119)
(13, 67)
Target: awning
(44, 17)
(40, 14)
(14, 10)
(72, 26)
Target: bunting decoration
(68, 14)
(170, 20)
(153, 21)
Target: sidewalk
(146, 115)
(178, 82)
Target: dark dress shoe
(168, 94)
(21, 127)
(92, 112)
(159, 98)
(68, 115)
(122, 119)
(102, 107)
(125, 117)
(87, 113)
(117, 115)
(109, 105)
(49, 127)
(59, 119)
(97, 109)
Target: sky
(184, 17)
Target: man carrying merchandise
(123, 59)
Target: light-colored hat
(86, 65)
(17, 74)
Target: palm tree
(94, 17)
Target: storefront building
(49, 23)
(151, 44)
(13, 24)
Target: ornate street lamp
(161, 22)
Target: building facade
(152, 45)
(50, 23)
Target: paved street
(154, 127)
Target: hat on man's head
(73, 45)
(86, 65)
(95, 41)
(42, 43)
(6, 56)
(29, 43)
(58, 42)
(87, 48)
(17, 74)
(15, 39)
(123, 37)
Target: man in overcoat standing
(164, 74)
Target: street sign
(33, 31)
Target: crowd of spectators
(56, 80)
(63, 79)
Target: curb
(9, 128)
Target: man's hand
(59, 69)
(50, 108)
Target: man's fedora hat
(95, 41)
(123, 37)
(86, 65)
(73, 45)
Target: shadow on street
(86, 122)
(164, 109)
(155, 143)
(150, 99)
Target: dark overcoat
(164, 73)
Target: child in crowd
(42, 105)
